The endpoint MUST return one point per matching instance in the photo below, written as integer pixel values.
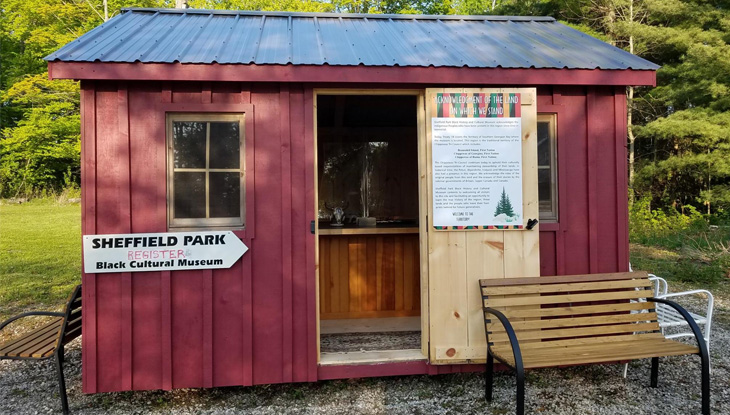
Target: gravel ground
(30, 388)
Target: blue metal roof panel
(307, 50)
(280, 38)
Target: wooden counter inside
(367, 231)
(369, 275)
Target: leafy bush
(680, 247)
(657, 227)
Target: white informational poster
(170, 251)
(477, 170)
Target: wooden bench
(48, 340)
(579, 319)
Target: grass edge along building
(329, 145)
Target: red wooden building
(310, 111)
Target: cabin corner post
(88, 227)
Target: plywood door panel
(458, 259)
(484, 259)
(369, 276)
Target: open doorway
(368, 228)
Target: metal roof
(280, 38)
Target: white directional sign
(139, 252)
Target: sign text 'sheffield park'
(161, 251)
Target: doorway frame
(423, 198)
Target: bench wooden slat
(71, 334)
(73, 322)
(574, 332)
(28, 340)
(566, 287)
(556, 311)
(577, 321)
(500, 282)
(39, 346)
(598, 353)
(43, 341)
(528, 345)
(567, 298)
(42, 350)
(541, 343)
(40, 331)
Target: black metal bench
(48, 340)
(580, 319)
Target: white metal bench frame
(669, 317)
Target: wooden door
(458, 258)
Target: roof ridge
(344, 15)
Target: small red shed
(376, 166)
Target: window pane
(224, 145)
(189, 144)
(543, 144)
(225, 195)
(544, 187)
(189, 195)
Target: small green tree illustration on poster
(504, 205)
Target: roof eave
(348, 74)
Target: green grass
(695, 256)
(40, 255)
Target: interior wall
(369, 276)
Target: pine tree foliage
(504, 206)
(682, 141)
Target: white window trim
(205, 223)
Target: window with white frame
(547, 167)
(206, 171)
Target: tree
(42, 151)
(504, 205)
(39, 139)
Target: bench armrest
(710, 300)
(514, 343)
(692, 324)
(660, 285)
(29, 314)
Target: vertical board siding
(548, 253)
(147, 150)
(605, 225)
(112, 156)
(163, 330)
(592, 232)
(88, 226)
(267, 270)
(622, 178)
(300, 232)
(574, 211)
(260, 315)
